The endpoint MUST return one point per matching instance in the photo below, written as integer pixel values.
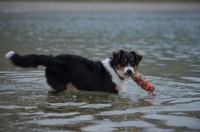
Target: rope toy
(144, 83)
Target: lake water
(168, 41)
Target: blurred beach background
(95, 5)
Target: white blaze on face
(128, 68)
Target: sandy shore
(91, 7)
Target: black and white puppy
(63, 70)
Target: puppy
(63, 70)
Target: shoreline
(27, 6)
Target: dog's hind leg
(57, 79)
(68, 86)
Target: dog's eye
(132, 63)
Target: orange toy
(144, 83)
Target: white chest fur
(121, 85)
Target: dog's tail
(31, 60)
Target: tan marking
(135, 68)
(125, 60)
(120, 68)
(68, 86)
(117, 89)
(131, 59)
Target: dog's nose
(129, 71)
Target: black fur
(119, 56)
(60, 70)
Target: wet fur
(63, 70)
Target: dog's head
(125, 62)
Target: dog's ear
(116, 56)
(138, 58)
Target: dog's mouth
(123, 75)
(128, 75)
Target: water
(168, 41)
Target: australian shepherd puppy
(63, 70)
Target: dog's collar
(120, 77)
(118, 74)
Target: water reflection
(34, 106)
(177, 121)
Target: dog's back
(66, 69)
